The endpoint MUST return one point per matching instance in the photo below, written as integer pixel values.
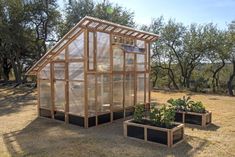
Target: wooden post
(111, 76)
(85, 78)
(38, 96)
(66, 87)
(52, 80)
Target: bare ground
(22, 133)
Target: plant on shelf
(181, 104)
(197, 107)
(139, 112)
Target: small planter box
(201, 119)
(153, 134)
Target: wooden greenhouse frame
(95, 74)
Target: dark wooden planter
(201, 119)
(153, 134)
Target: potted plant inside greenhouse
(155, 125)
(191, 112)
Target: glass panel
(147, 56)
(103, 52)
(76, 71)
(59, 70)
(140, 58)
(60, 56)
(103, 93)
(140, 88)
(76, 98)
(45, 72)
(117, 92)
(76, 48)
(45, 94)
(129, 90)
(91, 51)
(59, 95)
(130, 58)
(147, 87)
(140, 44)
(118, 59)
(91, 94)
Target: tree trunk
(214, 77)
(230, 81)
(6, 69)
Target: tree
(232, 57)
(77, 9)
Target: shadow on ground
(45, 137)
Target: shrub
(197, 107)
(181, 104)
(163, 116)
(139, 112)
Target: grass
(22, 133)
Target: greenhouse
(95, 74)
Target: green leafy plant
(139, 112)
(197, 107)
(181, 104)
(163, 116)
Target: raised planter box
(153, 134)
(201, 119)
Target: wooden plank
(38, 96)
(85, 78)
(111, 76)
(52, 89)
(66, 87)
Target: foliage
(139, 112)
(163, 116)
(181, 104)
(197, 107)
(186, 104)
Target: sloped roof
(95, 24)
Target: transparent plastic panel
(117, 92)
(59, 87)
(147, 87)
(140, 43)
(76, 98)
(103, 52)
(45, 94)
(76, 48)
(59, 71)
(140, 59)
(91, 51)
(45, 72)
(130, 62)
(129, 90)
(118, 59)
(140, 88)
(76, 71)
(147, 56)
(60, 56)
(103, 93)
(91, 95)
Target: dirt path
(23, 134)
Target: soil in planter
(193, 119)
(135, 131)
(157, 136)
(148, 122)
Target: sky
(220, 12)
